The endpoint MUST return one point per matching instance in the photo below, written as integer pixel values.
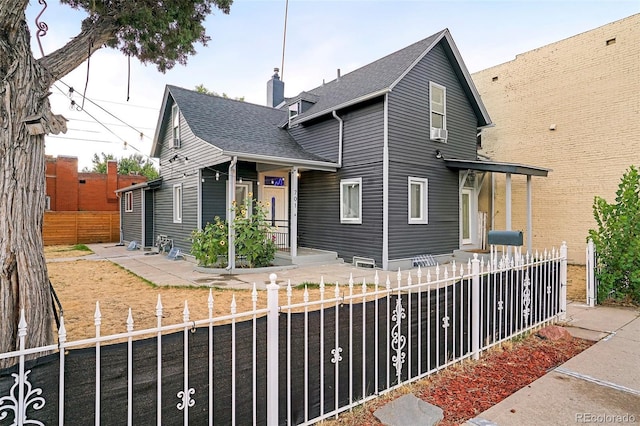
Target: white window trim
(47, 203)
(351, 220)
(177, 203)
(444, 106)
(128, 201)
(424, 210)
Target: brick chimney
(112, 179)
(275, 89)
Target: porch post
(231, 215)
(293, 226)
(529, 219)
(508, 202)
(508, 208)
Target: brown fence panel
(62, 228)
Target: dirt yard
(80, 283)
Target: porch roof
(496, 167)
(151, 184)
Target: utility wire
(104, 110)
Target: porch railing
(279, 234)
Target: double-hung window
(351, 201)
(438, 111)
(128, 201)
(175, 121)
(177, 203)
(418, 201)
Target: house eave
(355, 101)
(496, 167)
(151, 184)
(307, 164)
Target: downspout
(335, 115)
(231, 247)
(385, 185)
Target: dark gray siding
(412, 153)
(214, 193)
(148, 218)
(132, 221)
(319, 138)
(319, 206)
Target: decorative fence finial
(42, 26)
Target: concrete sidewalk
(162, 271)
(599, 386)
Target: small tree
(126, 165)
(617, 240)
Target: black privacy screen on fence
(335, 356)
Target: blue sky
(322, 36)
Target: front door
(276, 202)
(467, 216)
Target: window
(47, 203)
(351, 201)
(128, 201)
(177, 203)
(294, 111)
(418, 212)
(175, 120)
(438, 108)
(243, 192)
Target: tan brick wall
(590, 91)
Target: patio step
(308, 256)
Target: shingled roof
(381, 76)
(237, 127)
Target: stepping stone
(408, 410)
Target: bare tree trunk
(24, 283)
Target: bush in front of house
(209, 246)
(617, 240)
(253, 242)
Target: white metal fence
(592, 281)
(295, 363)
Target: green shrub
(253, 243)
(617, 240)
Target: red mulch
(466, 391)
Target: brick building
(572, 106)
(69, 190)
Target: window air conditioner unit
(438, 134)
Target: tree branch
(94, 32)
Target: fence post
(272, 351)
(563, 281)
(475, 306)
(591, 278)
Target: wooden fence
(61, 228)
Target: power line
(79, 108)
(114, 102)
(71, 90)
